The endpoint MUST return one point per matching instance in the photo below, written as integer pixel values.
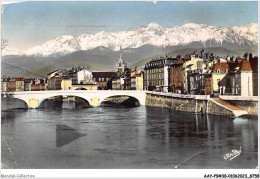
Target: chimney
(236, 60)
(250, 56)
(246, 55)
(201, 52)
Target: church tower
(121, 64)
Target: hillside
(100, 59)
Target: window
(218, 70)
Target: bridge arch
(128, 100)
(22, 103)
(81, 88)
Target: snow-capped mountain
(188, 35)
(10, 51)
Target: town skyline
(76, 18)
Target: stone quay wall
(196, 103)
(217, 109)
(186, 103)
(248, 103)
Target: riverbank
(232, 106)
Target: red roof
(186, 58)
(245, 65)
(223, 66)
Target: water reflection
(12, 103)
(60, 103)
(10, 114)
(204, 139)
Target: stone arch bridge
(95, 97)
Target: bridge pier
(33, 103)
(94, 102)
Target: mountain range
(102, 48)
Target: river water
(114, 136)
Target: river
(114, 136)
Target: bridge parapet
(94, 97)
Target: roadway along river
(113, 136)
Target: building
(239, 77)
(59, 83)
(254, 65)
(122, 82)
(27, 84)
(4, 83)
(246, 77)
(157, 74)
(136, 80)
(78, 74)
(14, 84)
(177, 77)
(19, 84)
(4, 86)
(102, 78)
(121, 64)
(219, 77)
(190, 74)
(224, 77)
(51, 79)
(66, 83)
(83, 75)
(127, 80)
(11, 85)
(208, 84)
(196, 81)
(38, 85)
(116, 84)
(192, 68)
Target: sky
(28, 24)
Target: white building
(84, 75)
(166, 78)
(122, 82)
(246, 77)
